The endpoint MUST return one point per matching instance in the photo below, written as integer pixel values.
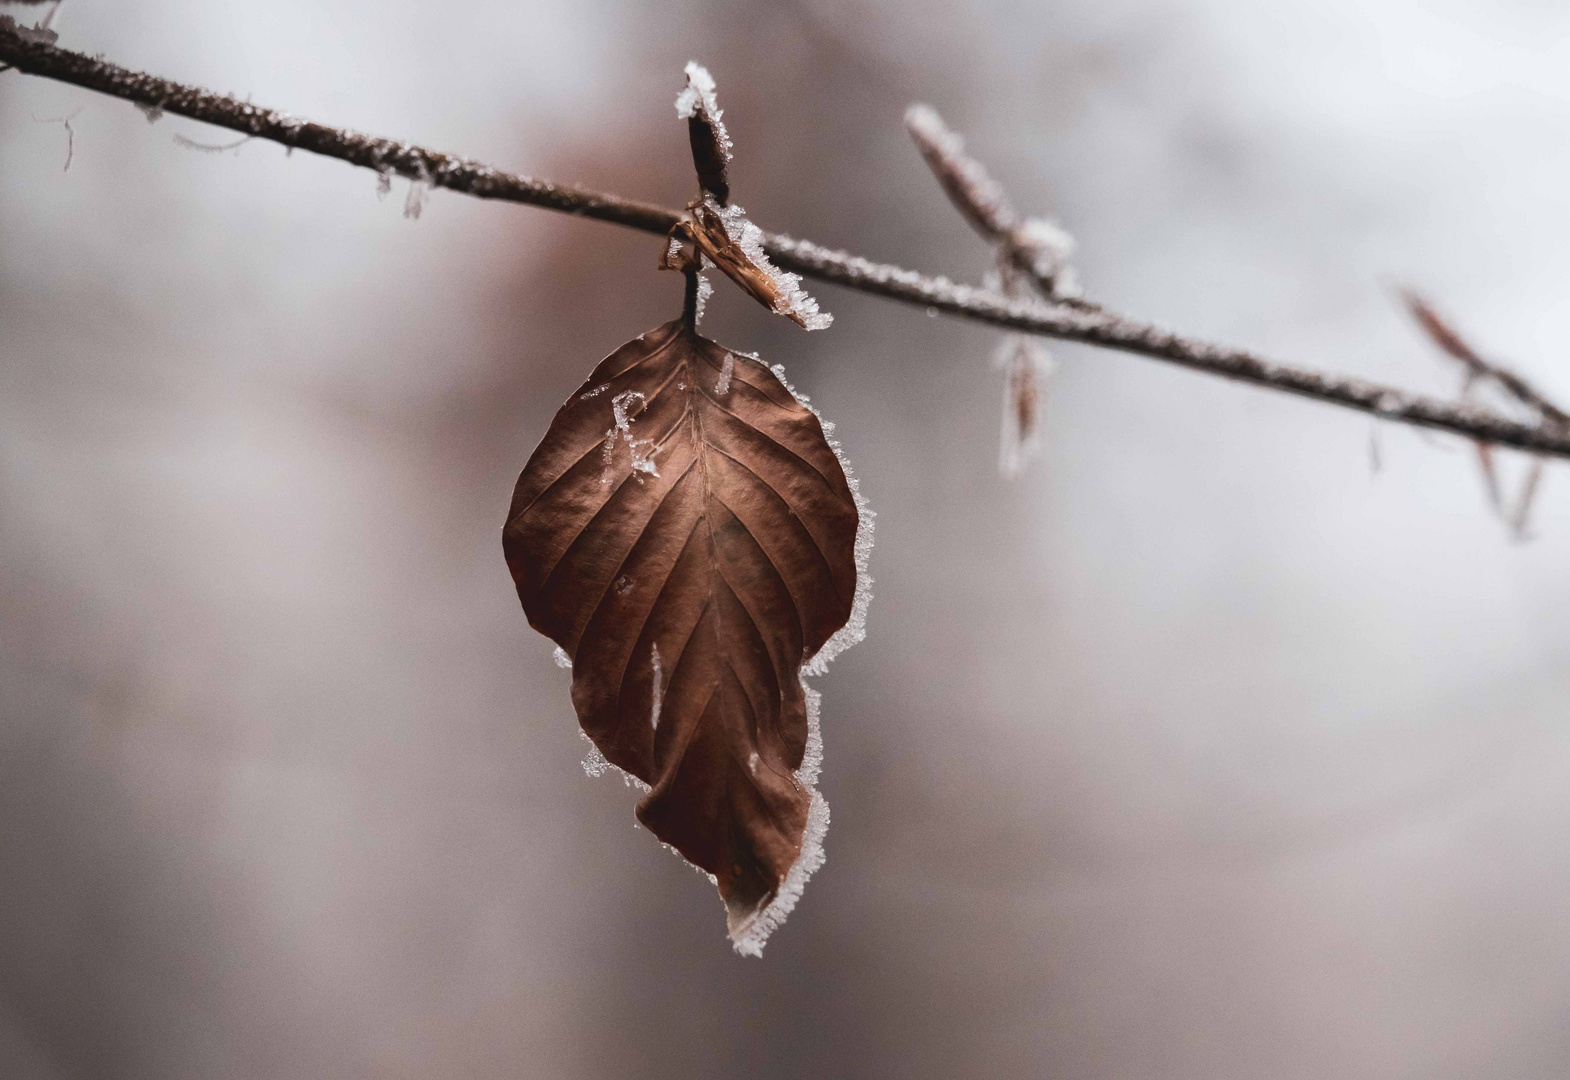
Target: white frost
(608, 457)
(722, 387)
(1026, 367)
(791, 299)
(655, 700)
(419, 193)
(698, 98)
(750, 930)
(596, 765)
(705, 290)
(642, 459)
(561, 658)
(1047, 246)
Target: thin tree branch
(1092, 327)
(1452, 343)
(1444, 336)
(1034, 248)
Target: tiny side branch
(34, 53)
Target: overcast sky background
(1201, 751)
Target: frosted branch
(1061, 320)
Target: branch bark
(1089, 325)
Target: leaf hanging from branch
(686, 534)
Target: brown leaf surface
(686, 534)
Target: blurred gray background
(1202, 751)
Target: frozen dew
(698, 98)
(414, 202)
(1026, 367)
(608, 457)
(596, 392)
(640, 449)
(750, 929)
(642, 460)
(1046, 247)
(655, 698)
(37, 35)
(596, 765)
(619, 405)
(705, 290)
(561, 658)
(790, 299)
(722, 387)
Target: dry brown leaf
(744, 261)
(686, 534)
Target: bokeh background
(1202, 751)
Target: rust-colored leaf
(686, 534)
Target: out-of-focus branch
(1442, 334)
(1445, 336)
(1090, 326)
(1033, 247)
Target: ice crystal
(698, 97)
(655, 700)
(791, 299)
(642, 460)
(750, 930)
(1026, 366)
(705, 290)
(414, 202)
(1047, 246)
(596, 765)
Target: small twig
(211, 148)
(70, 134)
(1092, 327)
(1523, 510)
(1445, 336)
(1491, 486)
(978, 197)
(1453, 344)
(1033, 248)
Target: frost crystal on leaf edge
(749, 931)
